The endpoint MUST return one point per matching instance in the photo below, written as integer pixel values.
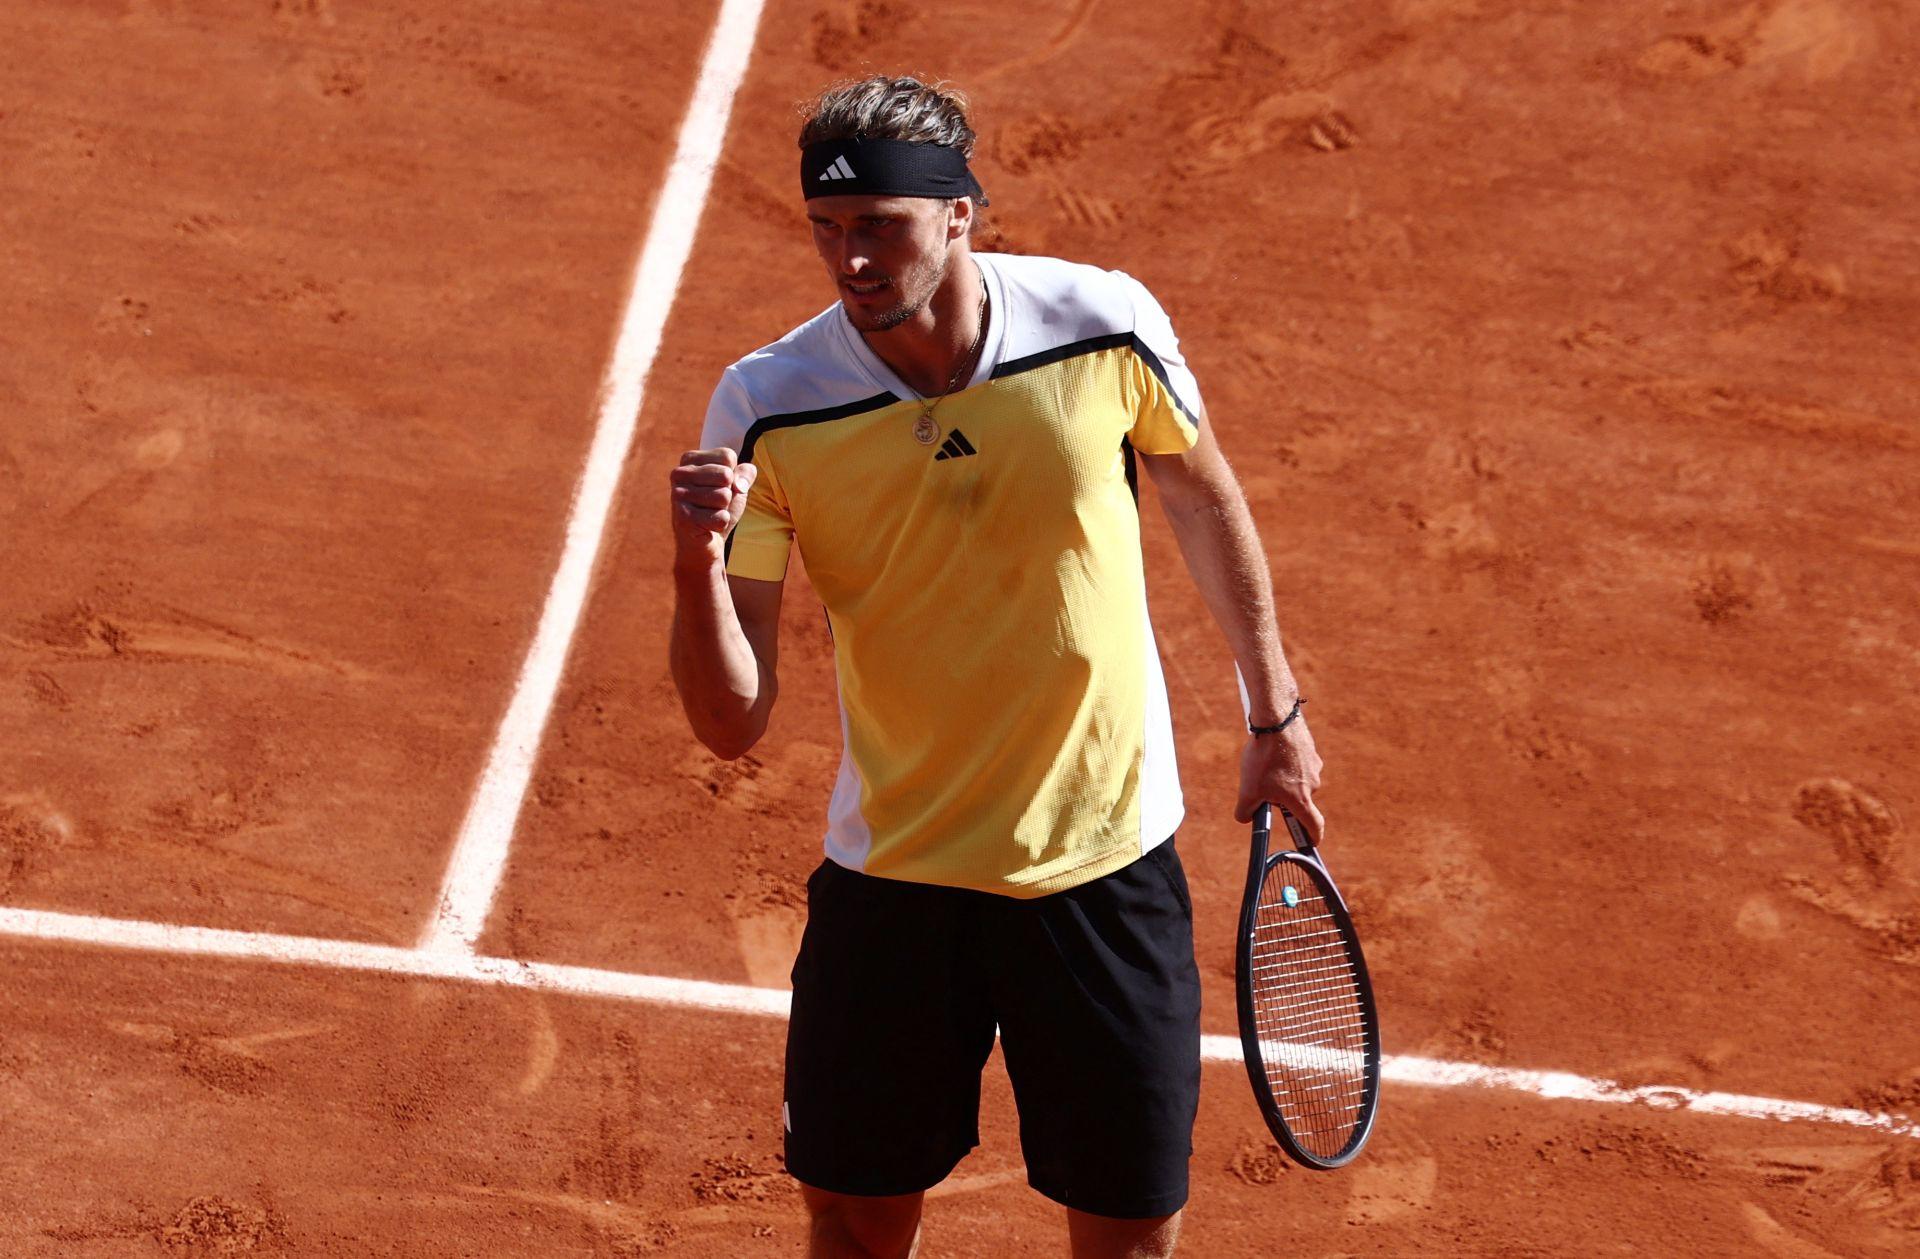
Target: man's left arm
(1214, 527)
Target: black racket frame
(1259, 863)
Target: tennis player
(954, 445)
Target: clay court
(363, 893)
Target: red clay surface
(1564, 351)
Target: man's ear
(959, 217)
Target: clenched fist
(709, 497)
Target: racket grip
(1263, 820)
(1301, 840)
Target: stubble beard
(921, 286)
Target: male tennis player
(952, 445)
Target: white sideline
(737, 999)
(480, 852)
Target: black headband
(886, 168)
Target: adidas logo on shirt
(955, 447)
(839, 170)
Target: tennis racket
(1308, 1027)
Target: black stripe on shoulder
(1093, 345)
(793, 419)
(1061, 353)
(1159, 370)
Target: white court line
(480, 853)
(738, 999)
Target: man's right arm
(725, 629)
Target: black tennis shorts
(896, 993)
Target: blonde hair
(884, 108)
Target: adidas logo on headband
(886, 168)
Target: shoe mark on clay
(44, 688)
(1899, 1095)
(612, 1165)
(508, 70)
(208, 224)
(1795, 1167)
(1037, 143)
(1863, 829)
(1774, 1238)
(1642, 1151)
(417, 1067)
(1474, 1036)
(1727, 589)
(226, 1064)
(196, 836)
(1819, 38)
(1217, 75)
(335, 78)
(236, 871)
(31, 830)
(843, 37)
(1085, 210)
(131, 314)
(1257, 1161)
(305, 295)
(1598, 339)
(1232, 126)
(736, 781)
(1302, 438)
(1864, 1194)
(1852, 1195)
(1330, 132)
(86, 630)
(1890, 1194)
(1766, 265)
(1701, 399)
(207, 1225)
(1891, 923)
(734, 1178)
(1871, 895)
(1068, 33)
(1222, 140)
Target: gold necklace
(925, 430)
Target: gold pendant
(925, 431)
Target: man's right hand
(709, 497)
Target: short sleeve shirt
(1003, 713)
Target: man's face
(886, 255)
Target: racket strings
(1309, 1012)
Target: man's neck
(928, 349)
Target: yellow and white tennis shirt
(1002, 710)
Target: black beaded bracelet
(1284, 721)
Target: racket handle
(1257, 849)
(1301, 840)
